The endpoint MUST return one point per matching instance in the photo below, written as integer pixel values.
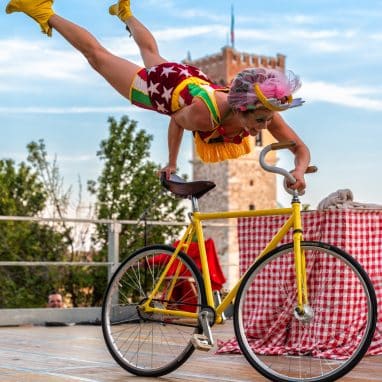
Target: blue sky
(48, 91)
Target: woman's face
(256, 120)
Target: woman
(220, 118)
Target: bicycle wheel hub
(306, 316)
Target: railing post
(114, 229)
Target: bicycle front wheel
(334, 332)
(152, 344)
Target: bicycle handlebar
(278, 170)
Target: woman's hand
(175, 134)
(167, 170)
(300, 184)
(283, 132)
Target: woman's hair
(271, 84)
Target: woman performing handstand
(221, 118)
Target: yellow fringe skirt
(220, 151)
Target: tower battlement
(222, 67)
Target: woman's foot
(38, 10)
(121, 9)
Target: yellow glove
(121, 9)
(38, 10)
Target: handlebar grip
(311, 170)
(282, 145)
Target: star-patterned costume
(167, 87)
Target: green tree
(75, 281)
(129, 189)
(22, 194)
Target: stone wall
(240, 184)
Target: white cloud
(21, 156)
(71, 158)
(68, 110)
(32, 59)
(181, 33)
(201, 14)
(153, 4)
(312, 91)
(22, 62)
(6, 88)
(123, 47)
(300, 19)
(38, 60)
(319, 47)
(350, 96)
(317, 41)
(376, 36)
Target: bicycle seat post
(194, 203)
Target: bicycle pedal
(200, 342)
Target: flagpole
(232, 28)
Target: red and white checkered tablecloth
(358, 232)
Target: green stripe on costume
(209, 100)
(139, 97)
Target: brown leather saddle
(181, 188)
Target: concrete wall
(50, 316)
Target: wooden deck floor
(78, 353)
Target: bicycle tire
(143, 344)
(276, 341)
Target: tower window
(251, 182)
(251, 207)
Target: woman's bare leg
(146, 42)
(117, 71)
(142, 36)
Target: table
(358, 232)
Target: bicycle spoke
(145, 343)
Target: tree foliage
(74, 282)
(129, 189)
(22, 194)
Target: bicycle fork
(207, 315)
(303, 312)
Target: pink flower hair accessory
(264, 87)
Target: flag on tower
(232, 28)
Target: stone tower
(240, 183)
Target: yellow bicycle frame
(195, 227)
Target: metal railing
(114, 229)
(75, 315)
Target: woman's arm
(283, 132)
(175, 135)
(191, 117)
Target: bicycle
(159, 307)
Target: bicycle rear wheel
(152, 344)
(329, 339)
